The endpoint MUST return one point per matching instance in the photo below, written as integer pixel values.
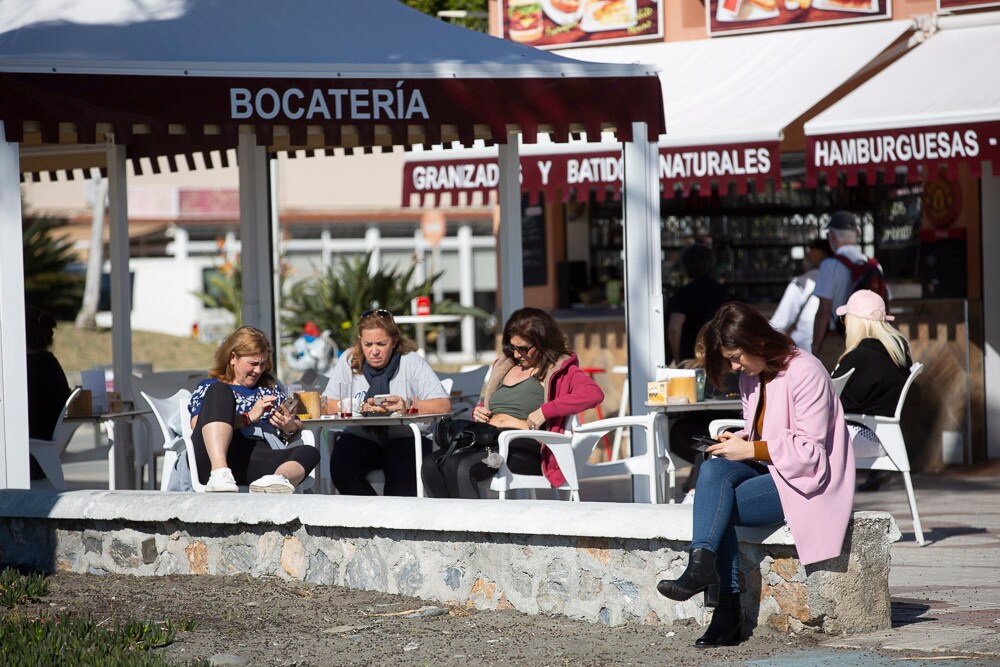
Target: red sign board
(561, 174)
(882, 150)
(564, 23)
(423, 305)
(725, 17)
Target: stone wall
(594, 561)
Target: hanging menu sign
(566, 23)
(726, 17)
(949, 5)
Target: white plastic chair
(186, 433)
(841, 381)
(465, 385)
(572, 451)
(169, 418)
(889, 433)
(49, 453)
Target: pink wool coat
(568, 391)
(811, 459)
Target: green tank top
(519, 400)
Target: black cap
(843, 220)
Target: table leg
(418, 451)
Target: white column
(326, 249)
(419, 248)
(466, 288)
(13, 353)
(121, 308)
(990, 188)
(255, 236)
(643, 287)
(181, 243)
(372, 238)
(511, 269)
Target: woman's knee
(306, 456)
(712, 470)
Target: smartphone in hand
(703, 442)
(289, 403)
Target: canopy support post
(121, 308)
(643, 284)
(256, 240)
(511, 268)
(14, 472)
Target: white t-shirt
(798, 302)
(412, 368)
(834, 279)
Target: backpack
(866, 274)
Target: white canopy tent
(107, 81)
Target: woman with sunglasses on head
(240, 427)
(791, 462)
(382, 362)
(536, 384)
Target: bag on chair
(452, 435)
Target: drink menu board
(947, 5)
(741, 16)
(565, 23)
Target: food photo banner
(726, 17)
(562, 174)
(948, 5)
(566, 23)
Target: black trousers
(354, 457)
(464, 469)
(248, 459)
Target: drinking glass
(699, 377)
(411, 398)
(346, 399)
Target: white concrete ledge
(524, 517)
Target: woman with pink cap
(880, 357)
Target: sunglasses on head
(378, 312)
(521, 349)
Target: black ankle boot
(726, 628)
(699, 575)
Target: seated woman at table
(382, 362)
(880, 357)
(47, 385)
(792, 462)
(536, 384)
(240, 427)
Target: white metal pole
(643, 287)
(121, 309)
(14, 472)
(990, 194)
(466, 288)
(511, 268)
(255, 236)
(372, 238)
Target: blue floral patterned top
(245, 398)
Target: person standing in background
(796, 313)
(694, 304)
(47, 385)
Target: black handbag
(452, 435)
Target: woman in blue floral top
(234, 415)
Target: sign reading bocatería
(577, 173)
(888, 149)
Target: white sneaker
(272, 484)
(221, 481)
(688, 498)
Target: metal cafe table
(322, 426)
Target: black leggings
(354, 457)
(248, 459)
(464, 470)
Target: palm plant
(47, 284)
(335, 299)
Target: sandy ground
(272, 622)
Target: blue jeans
(730, 494)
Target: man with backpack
(847, 271)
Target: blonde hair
(858, 328)
(379, 319)
(244, 342)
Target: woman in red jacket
(536, 384)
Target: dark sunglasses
(511, 349)
(378, 312)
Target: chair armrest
(717, 426)
(546, 437)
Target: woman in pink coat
(791, 462)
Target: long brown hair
(379, 319)
(244, 342)
(737, 325)
(539, 329)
